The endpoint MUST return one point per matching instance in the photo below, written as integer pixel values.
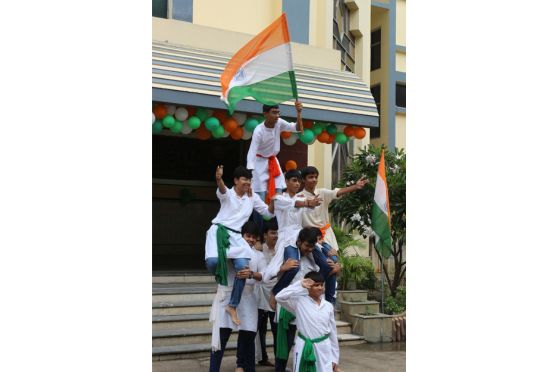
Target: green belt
(285, 318)
(308, 357)
(221, 271)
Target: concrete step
(357, 307)
(350, 339)
(199, 350)
(353, 295)
(181, 307)
(166, 277)
(179, 292)
(160, 322)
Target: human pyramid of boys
(286, 281)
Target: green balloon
(259, 118)
(177, 127)
(251, 124)
(331, 129)
(341, 138)
(317, 129)
(307, 136)
(202, 114)
(211, 123)
(194, 122)
(157, 126)
(168, 121)
(218, 132)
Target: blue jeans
(217, 356)
(320, 258)
(238, 286)
(288, 276)
(246, 351)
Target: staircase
(181, 303)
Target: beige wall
(401, 61)
(401, 23)
(400, 130)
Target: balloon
(186, 129)
(177, 127)
(290, 164)
(230, 124)
(331, 129)
(170, 109)
(259, 118)
(251, 124)
(331, 138)
(221, 115)
(290, 141)
(286, 135)
(240, 118)
(307, 124)
(340, 128)
(307, 136)
(210, 113)
(246, 135)
(323, 137)
(211, 123)
(194, 122)
(360, 133)
(160, 111)
(153, 118)
(157, 126)
(181, 114)
(191, 111)
(349, 131)
(226, 134)
(202, 114)
(202, 133)
(317, 129)
(341, 138)
(218, 132)
(168, 121)
(237, 133)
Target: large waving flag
(380, 212)
(262, 69)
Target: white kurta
(235, 211)
(264, 289)
(313, 320)
(319, 216)
(266, 142)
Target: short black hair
(309, 235)
(316, 231)
(250, 227)
(293, 173)
(266, 108)
(241, 171)
(309, 170)
(270, 225)
(315, 276)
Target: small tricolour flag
(380, 212)
(262, 69)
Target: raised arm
(288, 297)
(219, 179)
(298, 106)
(357, 186)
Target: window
(182, 10)
(159, 8)
(375, 50)
(342, 38)
(400, 95)
(376, 93)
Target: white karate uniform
(319, 216)
(313, 320)
(266, 142)
(235, 211)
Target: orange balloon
(222, 116)
(237, 133)
(286, 135)
(160, 111)
(323, 137)
(360, 133)
(202, 133)
(331, 138)
(290, 164)
(349, 131)
(191, 111)
(308, 124)
(230, 125)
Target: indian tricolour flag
(380, 212)
(262, 69)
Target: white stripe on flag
(380, 194)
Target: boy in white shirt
(316, 347)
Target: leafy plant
(356, 268)
(397, 304)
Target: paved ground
(387, 357)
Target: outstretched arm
(219, 179)
(357, 186)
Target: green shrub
(397, 304)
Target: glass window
(400, 95)
(376, 93)
(182, 10)
(343, 40)
(375, 50)
(159, 8)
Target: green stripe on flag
(271, 91)
(380, 225)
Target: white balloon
(152, 118)
(246, 135)
(170, 109)
(225, 135)
(290, 141)
(186, 129)
(240, 118)
(181, 114)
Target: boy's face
(271, 237)
(310, 181)
(316, 290)
(250, 238)
(305, 247)
(243, 184)
(272, 115)
(293, 184)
